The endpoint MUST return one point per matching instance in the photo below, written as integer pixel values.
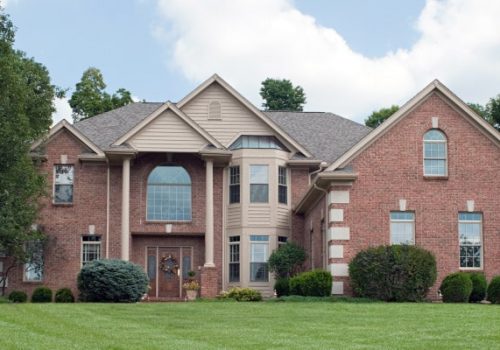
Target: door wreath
(169, 265)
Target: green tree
(26, 107)
(378, 117)
(282, 95)
(90, 98)
(287, 261)
(493, 112)
(479, 109)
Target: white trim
(424, 158)
(339, 269)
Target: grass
(264, 325)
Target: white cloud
(63, 111)
(247, 41)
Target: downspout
(107, 210)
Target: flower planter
(191, 294)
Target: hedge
(456, 288)
(493, 294)
(41, 295)
(313, 283)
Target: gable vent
(214, 110)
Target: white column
(209, 214)
(125, 236)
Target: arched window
(169, 194)
(435, 153)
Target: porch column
(125, 234)
(209, 214)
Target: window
(402, 227)
(63, 184)
(282, 185)
(259, 184)
(435, 153)
(469, 233)
(91, 249)
(169, 194)
(259, 250)
(282, 241)
(234, 184)
(33, 269)
(260, 142)
(234, 259)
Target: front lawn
(264, 325)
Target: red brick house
(212, 184)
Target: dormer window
(214, 110)
(435, 154)
(258, 142)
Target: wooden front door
(167, 268)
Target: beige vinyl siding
(234, 216)
(168, 133)
(259, 215)
(283, 216)
(235, 118)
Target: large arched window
(435, 154)
(169, 194)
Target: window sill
(435, 178)
(471, 269)
(160, 222)
(62, 204)
(33, 282)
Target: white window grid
(169, 202)
(402, 228)
(91, 250)
(470, 232)
(435, 156)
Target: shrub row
(317, 283)
(43, 295)
(241, 294)
(462, 287)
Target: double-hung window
(234, 258)
(469, 233)
(259, 253)
(282, 240)
(234, 184)
(402, 227)
(63, 183)
(282, 186)
(435, 153)
(33, 268)
(259, 184)
(91, 249)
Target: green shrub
(64, 295)
(282, 287)
(17, 296)
(41, 295)
(241, 294)
(494, 290)
(313, 283)
(456, 288)
(287, 260)
(393, 273)
(479, 286)
(112, 281)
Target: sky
(351, 57)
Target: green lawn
(265, 325)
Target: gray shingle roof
(326, 135)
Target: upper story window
(435, 153)
(169, 194)
(282, 185)
(259, 184)
(469, 234)
(234, 184)
(63, 183)
(402, 227)
(260, 142)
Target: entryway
(167, 268)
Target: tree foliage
(90, 97)
(282, 95)
(287, 261)
(490, 112)
(26, 109)
(378, 117)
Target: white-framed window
(259, 184)
(91, 249)
(33, 268)
(234, 258)
(169, 194)
(257, 142)
(435, 153)
(259, 253)
(282, 185)
(402, 227)
(282, 240)
(470, 226)
(63, 183)
(234, 184)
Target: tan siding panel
(260, 215)
(283, 217)
(234, 216)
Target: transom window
(63, 183)
(259, 184)
(261, 142)
(402, 227)
(169, 194)
(469, 233)
(234, 184)
(435, 153)
(259, 253)
(91, 249)
(234, 258)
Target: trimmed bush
(241, 294)
(317, 283)
(393, 273)
(41, 295)
(479, 286)
(282, 287)
(64, 295)
(287, 260)
(17, 296)
(494, 290)
(112, 281)
(456, 288)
